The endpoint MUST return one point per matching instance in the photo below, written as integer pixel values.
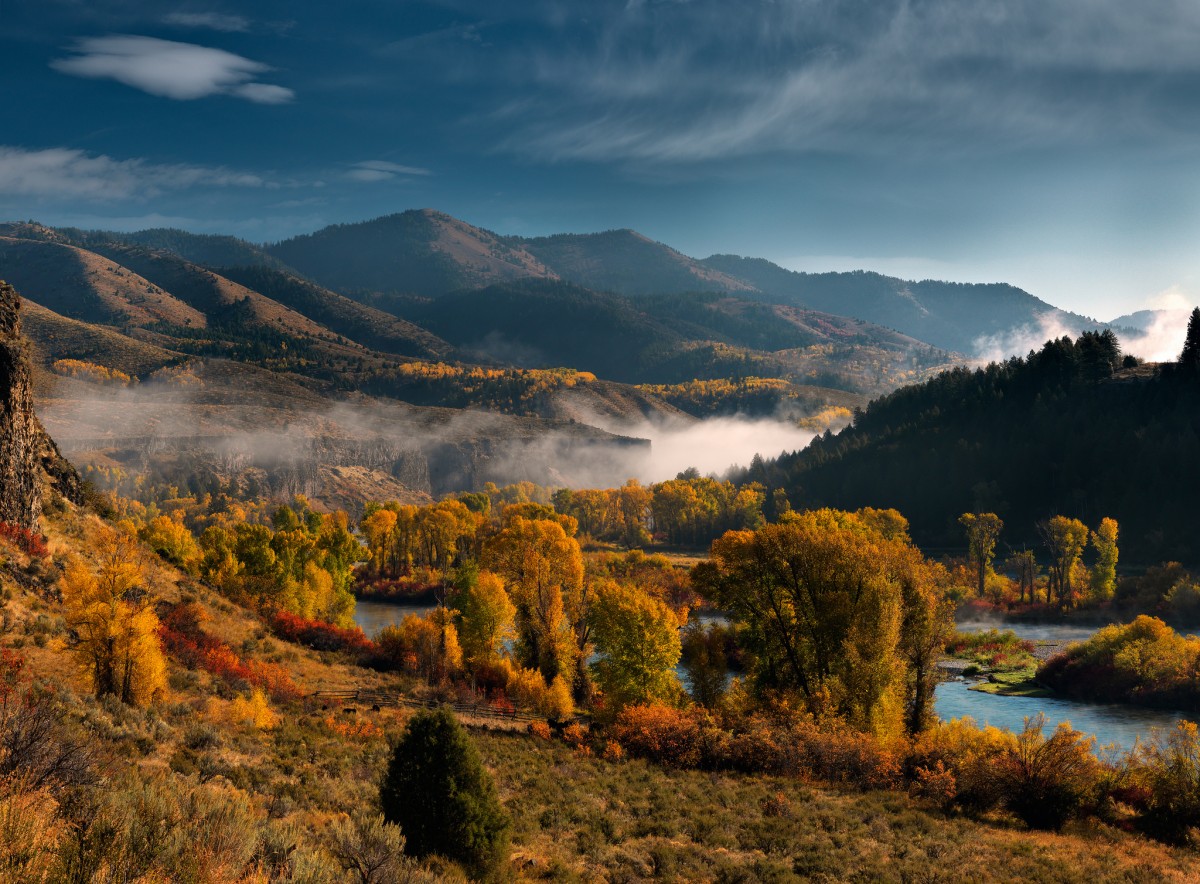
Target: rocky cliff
(29, 459)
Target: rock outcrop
(29, 459)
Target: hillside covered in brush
(182, 293)
(427, 253)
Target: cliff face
(28, 456)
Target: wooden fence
(377, 699)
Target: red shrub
(321, 636)
(29, 542)
(661, 734)
(183, 636)
(12, 665)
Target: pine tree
(1189, 359)
(443, 799)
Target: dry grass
(576, 817)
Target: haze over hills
(422, 310)
(428, 253)
(951, 315)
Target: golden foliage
(89, 371)
(252, 712)
(112, 613)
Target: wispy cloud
(215, 21)
(703, 80)
(381, 170)
(183, 71)
(63, 172)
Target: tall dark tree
(443, 799)
(1189, 359)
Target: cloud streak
(381, 170)
(706, 80)
(64, 172)
(214, 21)
(181, 71)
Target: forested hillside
(626, 262)
(672, 339)
(1071, 428)
(947, 314)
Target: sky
(1053, 145)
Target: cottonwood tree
(1104, 572)
(1064, 540)
(983, 530)
(637, 639)
(823, 595)
(1024, 565)
(110, 615)
(706, 661)
(542, 567)
(485, 617)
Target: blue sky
(1050, 144)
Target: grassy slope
(575, 817)
(88, 286)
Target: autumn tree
(379, 528)
(706, 661)
(171, 539)
(485, 617)
(542, 566)
(427, 645)
(821, 596)
(927, 622)
(1064, 540)
(1024, 565)
(1104, 572)
(110, 615)
(983, 530)
(633, 512)
(637, 639)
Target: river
(1114, 725)
(372, 617)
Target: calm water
(1110, 723)
(371, 617)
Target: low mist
(712, 446)
(1160, 340)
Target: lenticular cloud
(183, 71)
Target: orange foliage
(89, 371)
(353, 729)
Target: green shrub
(443, 799)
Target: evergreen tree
(1189, 359)
(438, 792)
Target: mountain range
(419, 311)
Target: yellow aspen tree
(111, 616)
